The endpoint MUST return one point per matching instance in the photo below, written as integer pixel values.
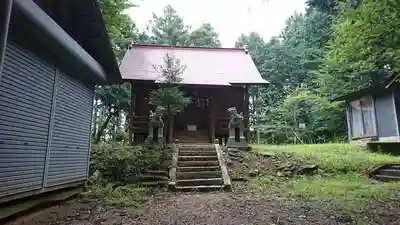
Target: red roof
(206, 66)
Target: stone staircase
(389, 172)
(187, 137)
(199, 167)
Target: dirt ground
(181, 209)
(239, 207)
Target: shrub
(123, 164)
(127, 195)
(334, 158)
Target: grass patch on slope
(121, 196)
(341, 179)
(334, 158)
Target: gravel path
(185, 209)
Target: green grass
(335, 158)
(123, 196)
(342, 178)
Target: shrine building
(215, 79)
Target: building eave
(361, 92)
(61, 43)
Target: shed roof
(371, 90)
(204, 66)
(394, 79)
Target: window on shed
(363, 122)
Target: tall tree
(121, 29)
(169, 94)
(114, 99)
(204, 36)
(364, 48)
(291, 63)
(168, 28)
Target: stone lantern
(156, 126)
(236, 130)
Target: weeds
(335, 158)
(342, 180)
(122, 196)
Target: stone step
(194, 141)
(156, 172)
(198, 153)
(395, 167)
(180, 138)
(161, 183)
(200, 188)
(153, 178)
(199, 182)
(390, 172)
(196, 148)
(197, 163)
(198, 168)
(197, 158)
(199, 174)
(386, 178)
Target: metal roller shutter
(26, 89)
(69, 146)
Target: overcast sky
(229, 17)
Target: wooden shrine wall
(221, 98)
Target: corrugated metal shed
(45, 114)
(205, 66)
(25, 102)
(45, 122)
(70, 134)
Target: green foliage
(115, 171)
(204, 36)
(121, 29)
(335, 158)
(114, 97)
(364, 47)
(341, 180)
(122, 196)
(169, 95)
(323, 119)
(171, 98)
(291, 63)
(112, 100)
(123, 164)
(169, 28)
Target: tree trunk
(103, 127)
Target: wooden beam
(212, 121)
(36, 201)
(131, 114)
(349, 121)
(246, 112)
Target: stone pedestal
(232, 140)
(160, 133)
(236, 140)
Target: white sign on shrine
(191, 127)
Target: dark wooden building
(52, 53)
(215, 79)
